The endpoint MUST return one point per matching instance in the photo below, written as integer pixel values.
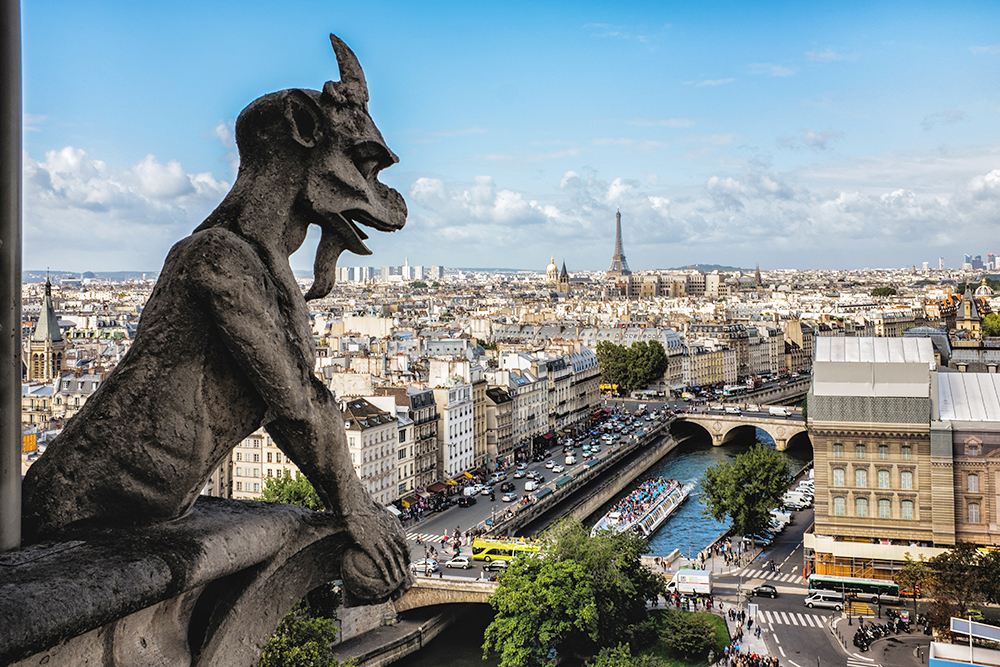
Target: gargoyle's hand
(377, 568)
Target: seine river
(688, 530)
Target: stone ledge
(224, 574)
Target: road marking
(794, 664)
(782, 651)
(784, 618)
(861, 657)
(809, 620)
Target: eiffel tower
(619, 267)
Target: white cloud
(818, 141)
(770, 69)
(950, 117)
(986, 50)
(827, 55)
(709, 82)
(225, 132)
(667, 122)
(120, 218)
(31, 122)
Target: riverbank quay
(409, 632)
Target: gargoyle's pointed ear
(305, 119)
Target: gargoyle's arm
(276, 353)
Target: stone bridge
(428, 591)
(721, 426)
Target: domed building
(984, 290)
(552, 272)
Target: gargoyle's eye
(370, 158)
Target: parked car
(494, 565)
(424, 565)
(466, 501)
(459, 561)
(765, 590)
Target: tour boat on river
(646, 508)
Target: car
(424, 565)
(486, 491)
(459, 561)
(494, 565)
(531, 474)
(539, 478)
(521, 466)
(595, 449)
(509, 497)
(557, 468)
(507, 486)
(549, 464)
(466, 501)
(519, 474)
(765, 590)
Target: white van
(779, 412)
(795, 499)
(530, 485)
(570, 459)
(732, 410)
(825, 599)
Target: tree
(631, 368)
(914, 575)
(746, 489)
(991, 325)
(292, 491)
(884, 291)
(955, 584)
(621, 656)
(989, 569)
(301, 641)
(585, 593)
(687, 636)
(418, 284)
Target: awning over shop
(392, 508)
(452, 482)
(408, 500)
(437, 487)
(548, 436)
(467, 475)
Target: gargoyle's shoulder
(213, 252)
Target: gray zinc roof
(969, 396)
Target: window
(906, 480)
(974, 483)
(256, 487)
(907, 507)
(861, 507)
(270, 472)
(838, 451)
(907, 452)
(859, 451)
(239, 457)
(973, 512)
(239, 486)
(269, 457)
(239, 471)
(883, 479)
(838, 476)
(883, 452)
(861, 478)
(884, 509)
(839, 506)
(256, 458)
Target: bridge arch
(429, 591)
(723, 428)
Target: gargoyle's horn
(352, 78)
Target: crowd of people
(635, 504)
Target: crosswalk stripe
(784, 618)
(793, 619)
(809, 620)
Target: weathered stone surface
(224, 343)
(207, 589)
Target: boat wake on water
(645, 509)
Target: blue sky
(842, 135)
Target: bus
(489, 548)
(868, 590)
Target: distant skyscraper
(619, 266)
(941, 266)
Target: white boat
(646, 508)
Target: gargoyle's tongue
(333, 242)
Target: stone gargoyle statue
(224, 343)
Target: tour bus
(867, 590)
(488, 548)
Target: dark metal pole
(10, 274)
